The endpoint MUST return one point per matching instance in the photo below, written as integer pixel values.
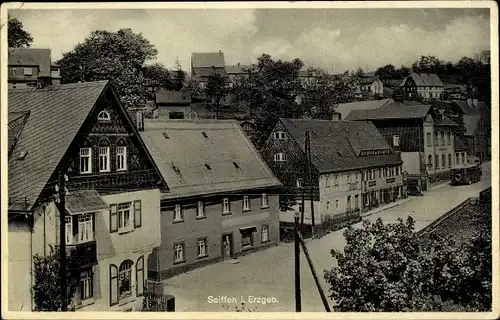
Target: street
(270, 273)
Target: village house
(173, 104)
(81, 133)
(369, 87)
(353, 168)
(205, 64)
(424, 138)
(237, 71)
(27, 66)
(343, 109)
(427, 86)
(223, 199)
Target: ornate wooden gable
(107, 155)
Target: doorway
(227, 246)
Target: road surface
(270, 273)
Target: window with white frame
(226, 206)
(327, 181)
(264, 203)
(202, 247)
(86, 284)
(85, 160)
(85, 233)
(200, 210)
(103, 116)
(246, 203)
(28, 71)
(178, 214)
(395, 140)
(104, 159)
(121, 158)
(125, 222)
(113, 285)
(279, 157)
(125, 279)
(69, 229)
(279, 135)
(265, 234)
(178, 252)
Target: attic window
(208, 167)
(204, 134)
(176, 169)
(236, 165)
(166, 135)
(103, 116)
(22, 155)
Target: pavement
(270, 273)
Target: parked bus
(467, 174)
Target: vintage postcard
(259, 160)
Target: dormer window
(28, 71)
(204, 134)
(103, 116)
(279, 135)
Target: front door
(227, 246)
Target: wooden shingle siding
(411, 138)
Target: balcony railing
(85, 254)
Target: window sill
(247, 248)
(264, 207)
(87, 172)
(125, 231)
(246, 210)
(227, 213)
(202, 257)
(120, 170)
(180, 261)
(104, 171)
(178, 221)
(201, 217)
(85, 303)
(264, 242)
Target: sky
(334, 39)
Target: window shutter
(113, 221)
(137, 214)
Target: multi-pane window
(395, 140)
(279, 135)
(85, 228)
(443, 161)
(178, 214)
(246, 203)
(85, 160)
(125, 279)
(226, 207)
(442, 138)
(202, 248)
(265, 234)
(200, 210)
(69, 229)
(139, 276)
(28, 71)
(265, 202)
(437, 162)
(449, 138)
(86, 284)
(124, 217)
(178, 252)
(103, 116)
(104, 159)
(121, 158)
(279, 157)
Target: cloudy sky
(334, 39)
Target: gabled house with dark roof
(205, 64)
(173, 104)
(369, 87)
(82, 134)
(424, 138)
(223, 199)
(27, 67)
(237, 71)
(353, 167)
(426, 85)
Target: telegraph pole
(298, 306)
(62, 241)
(309, 175)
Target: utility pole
(298, 306)
(310, 178)
(62, 240)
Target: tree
(402, 72)
(115, 56)
(46, 289)
(391, 268)
(17, 37)
(192, 86)
(359, 72)
(271, 89)
(180, 76)
(427, 64)
(157, 76)
(215, 91)
(386, 72)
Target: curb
(388, 207)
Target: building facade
(426, 86)
(206, 64)
(173, 104)
(27, 65)
(370, 87)
(223, 199)
(344, 156)
(112, 192)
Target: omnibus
(466, 174)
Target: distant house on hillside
(173, 104)
(343, 109)
(205, 64)
(369, 87)
(305, 76)
(237, 71)
(426, 85)
(28, 66)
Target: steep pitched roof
(469, 108)
(172, 97)
(31, 57)
(207, 59)
(425, 79)
(345, 108)
(336, 145)
(367, 79)
(205, 72)
(17, 120)
(202, 157)
(56, 113)
(392, 82)
(237, 69)
(395, 110)
(471, 122)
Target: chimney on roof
(139, 120)
(238, 64)
(220, 52)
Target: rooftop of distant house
(207, 59)
(31, 57)
(425, 80)
(171, 97)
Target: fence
(336, 222)
(158, 302)
(430, 227)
